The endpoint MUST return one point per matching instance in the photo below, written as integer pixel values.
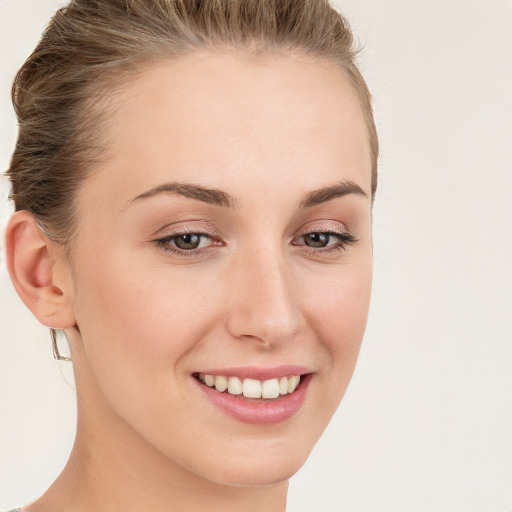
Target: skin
(141, 319)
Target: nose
(263, 303)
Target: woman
(193, 184)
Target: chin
(257, 474)
(257, 467)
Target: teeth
(221, 383)
(235, 386)
(293, 382)
(270, 388)
(252, 388)
(283, 385)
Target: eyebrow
(325, 194)
(207, 195)
(221, 198)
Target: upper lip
(258, 373)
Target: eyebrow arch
(221, 198)
(325, 194)
(207, 195)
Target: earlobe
(32, 263)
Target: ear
(39, 271)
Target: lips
(256, 396)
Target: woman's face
(226, 240)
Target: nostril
(265, 329)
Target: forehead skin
(238, 114)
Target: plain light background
(426, 424)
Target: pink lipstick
(261, 396)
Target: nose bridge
(264, 305)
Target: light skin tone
(267, 161)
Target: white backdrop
(426, 424)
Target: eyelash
(344, 239)
(167, 243)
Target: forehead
(228, 113)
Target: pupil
(317, 239)
(188, 241)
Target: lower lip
(268, 412)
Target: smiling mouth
(252, 389)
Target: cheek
(338, 306)
(141, 299)
(138, 324)
(338, 314)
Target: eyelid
(183, 228)
(335, 229)
(323, 227)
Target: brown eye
(187, 244)
(325, 241)
(317, 239)
(188, 241)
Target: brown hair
(93, 46)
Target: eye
(185, 242)
(325, 240)
(317, 239)
(188, 241)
